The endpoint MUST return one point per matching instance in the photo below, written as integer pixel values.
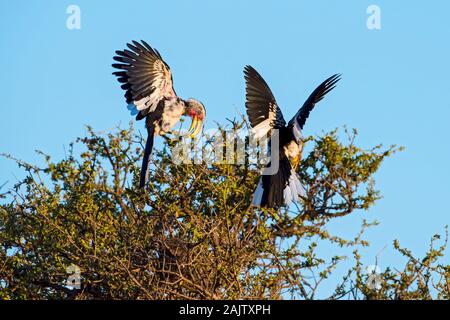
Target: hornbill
(150, 95)
(282, 187)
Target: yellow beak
(196, 127)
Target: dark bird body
(282, 187)
(148, 84)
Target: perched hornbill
(150, 95)
(283, 187)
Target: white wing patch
(150, 102)
(293, 190)
(162, 88)
(261, 129)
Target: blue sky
(394, 90)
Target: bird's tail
(279, 189)
(147, 152)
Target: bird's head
(197, 112)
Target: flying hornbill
(150, 95)
(282, 187)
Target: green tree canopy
(193, 234)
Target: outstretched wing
(262, 109)
(298, 121)
(144, 75)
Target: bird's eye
(192, 113)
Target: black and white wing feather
(262, 109)
(144, 75)
(298, 121)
